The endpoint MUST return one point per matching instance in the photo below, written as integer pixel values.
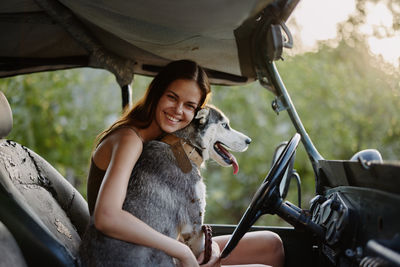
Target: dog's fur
(161, 195)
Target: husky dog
(167, 192)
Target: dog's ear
(202, 115)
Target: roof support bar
(126, 92)
(268, 75)
(279, 87)
(99, 57)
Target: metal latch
(278, 105)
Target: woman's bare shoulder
(123, 140)
(126, 136)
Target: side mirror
(290, 173)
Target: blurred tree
(348, 101)
(347, 98)
(351, 30)
(58, 114)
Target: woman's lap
(261, 247)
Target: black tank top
(95, 179)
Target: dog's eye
(225, 125)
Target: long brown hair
(142, 113)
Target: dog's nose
(248, 141)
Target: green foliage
(348, 101)
(58, 115)
(350, 30)
(354, 98)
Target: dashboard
(351, 217)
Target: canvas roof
(40, 35)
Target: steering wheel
(267, 197)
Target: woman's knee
(273, 245)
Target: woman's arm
(124, 148)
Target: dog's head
(211, 133)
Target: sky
(317, 20)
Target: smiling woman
(169, 105)
(147, 120)
(177, 105)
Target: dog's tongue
(234, 163)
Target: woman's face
(177, 105)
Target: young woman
(170, 103)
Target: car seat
(45, 214)
(10, 254)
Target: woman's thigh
(261, 247)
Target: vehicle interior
(353, 220)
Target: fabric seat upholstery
(43, 211)
(10, 254)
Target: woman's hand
(214, 260)
(187, 258)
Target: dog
(166, 191)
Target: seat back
(43, 211)
(10, 254)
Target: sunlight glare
(317, 20)
(379, 17)
(388, 48)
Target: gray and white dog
(166, 194)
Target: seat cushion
(40, 191)
(10, 254)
